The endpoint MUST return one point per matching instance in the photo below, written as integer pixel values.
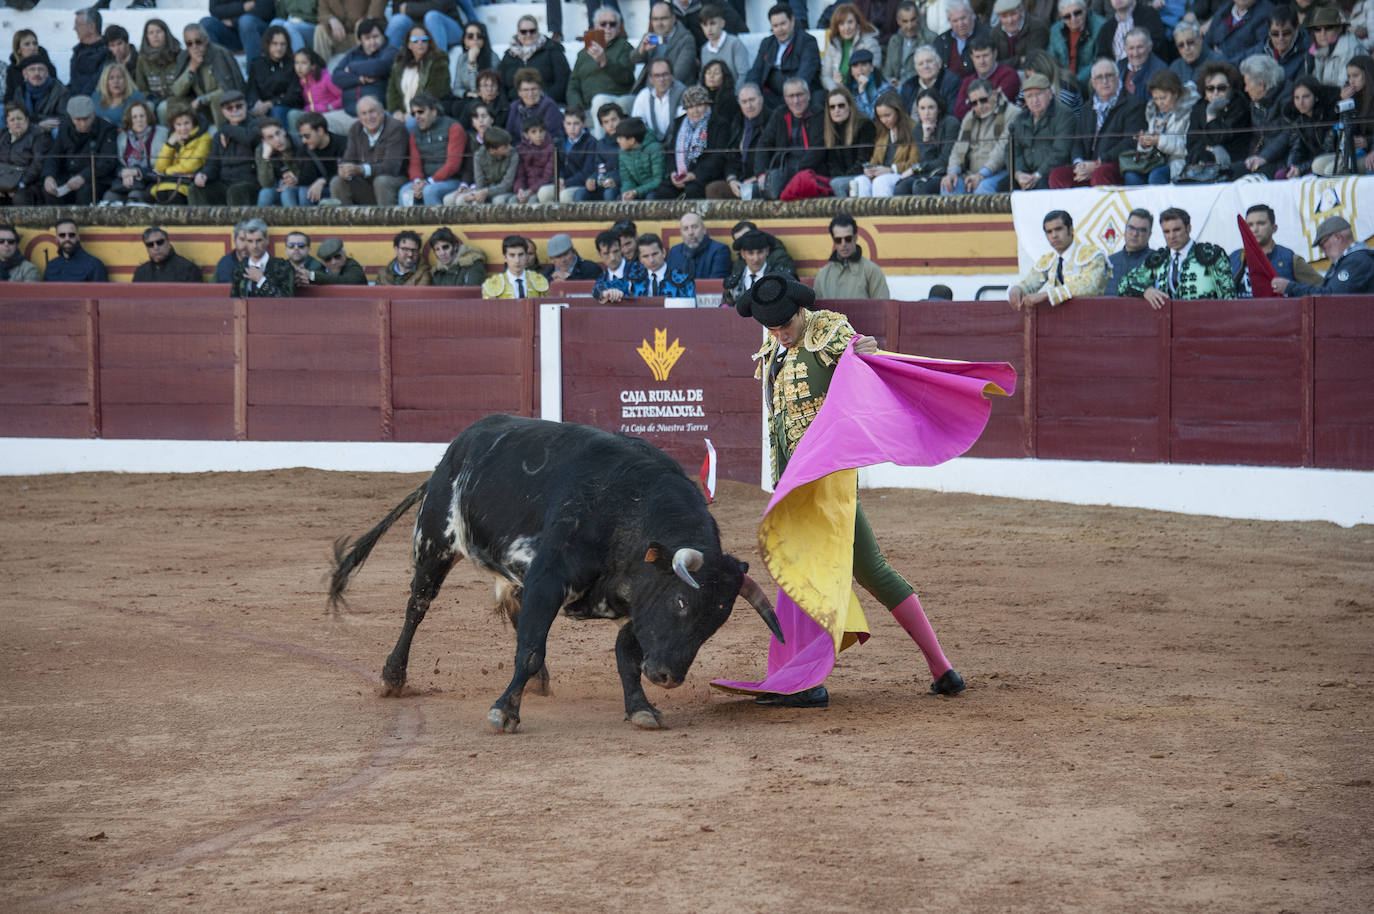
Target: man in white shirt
(516, 281)
(659, 104)
(1073, 268)
(661, 281)
(621, 277)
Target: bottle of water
(601, 175)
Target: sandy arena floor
(1164, 714)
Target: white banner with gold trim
(1099, 213)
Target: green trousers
(871, 570)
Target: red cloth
(1261, 270)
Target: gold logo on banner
(1105, 222)
(1321, 199)
(662, 357)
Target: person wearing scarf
(139, 144)
(697, 160)
(13, 266)
(531, 48)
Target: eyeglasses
(9, 240)
(408, 250)
(1185, 42)
(66, 234)
(979, 100)
(233, 106)
(1326, 28)
(419, 39)
(529, 31)
(297, 244)
(843, 239)
(1280, 33)
(607, 25)
(1137, 229)
(1218, 87)
(1076, 14)
(665, 75)
(838, 106)
(194, 42)
(155, 242)
(472, 34)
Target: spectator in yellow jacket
(181, 157)
(514, 281)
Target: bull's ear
(652, 555)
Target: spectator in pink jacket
(318, 89)
(534, 174)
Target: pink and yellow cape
(880, 408)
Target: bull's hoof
(646, 719)
(393, 689)
(502, 721)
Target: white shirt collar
(261, 262)
(1183, 254)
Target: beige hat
(1005, 6)
(1330, 226)
(1035, 81)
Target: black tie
(1059, 271)
(520, 288)
(1173, 274)
(658, 288)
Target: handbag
(1142, 163)
(10, 176)
(1202, 173)
(805, 185)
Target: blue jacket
(676, 284)
(356, 64)
(1281, 258)
(80, 267)
(577, 164)
(633, 282)
(1351, 274)
(710, 261)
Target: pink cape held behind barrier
(882, 408)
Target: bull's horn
(686, 561)
(751, 591)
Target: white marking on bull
(455, 533)
(520, 552)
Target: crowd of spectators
(337, 102)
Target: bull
(568, 517)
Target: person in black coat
(933, 75)
(793, 140)
(1219, 127)
(1144, 17)
(578, 156)
(1286, 42)
(1097, 146)
(273, 88)
(90, 55)
(936, 132)
(40, 93)
(697, 149)
(1229, 37)
(25, 147)
(164, 263)
(25, 46)
(739, 158)
(83, 161)
(317, 157)
(849, 140)
(952, 45)
(801, 60)
(1307, 132)
(230, 174)
(532, 49)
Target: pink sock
(911, 617)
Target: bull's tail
(347, 561)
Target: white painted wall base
(1262, 493)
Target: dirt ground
(1165, 713)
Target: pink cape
(880, 408)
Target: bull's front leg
(629, 659)
(545, 590)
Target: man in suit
(757, 259)
(260, 275)
(515, 281)
(1106, 128)
(1237, 27)
(1135, 248)
(1183, 269)
(789, 53)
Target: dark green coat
(279, 281)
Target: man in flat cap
(1352, 264)
(566, 263)
(336, 267)
(1015, 34)
(796, 363)
(83, 159)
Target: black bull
(574, 518)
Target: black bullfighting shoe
(949, 683)
(814, 697)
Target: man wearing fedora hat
(795, 364)
(1352, 264)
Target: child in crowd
(728, 49)
(861, 83)
(641, 163)
(534, 174)
(317, 87)
(604, 182)
(577, 155)
(493, 171)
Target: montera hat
(1330, 226)
(753, 240)
(774, 299)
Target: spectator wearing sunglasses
(72, 263)
(337, 268)
(164, 264)
(1072, 36)
(1285, 41)
(529, 49)
(205, 71)
(13, 265)
(420, 54)
(849, 274)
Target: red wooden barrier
(1280, 382)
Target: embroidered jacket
(796, 380)
(1204, 273)
(1085, 274)
(498, 285)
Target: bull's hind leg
(431, 567)
(508, 595)
(629, 660)
(545, 590)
